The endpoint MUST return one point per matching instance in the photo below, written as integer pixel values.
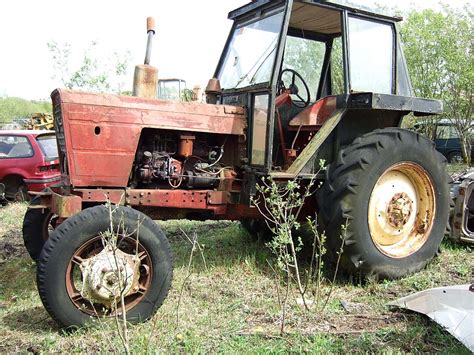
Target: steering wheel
(293, 88)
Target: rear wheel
(390, 191)
(257, 229)
(85, 269)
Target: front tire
(82, 272)
(37, 225)
(386, 201)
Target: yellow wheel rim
(402, 208)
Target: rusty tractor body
(298, 82)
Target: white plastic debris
(452, 307)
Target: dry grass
(232, 306)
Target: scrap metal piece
(462, 216)
(452, 307)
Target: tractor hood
(84, 108)
(98, 134)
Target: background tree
(439, 53)
(13, 108)
(95, 72)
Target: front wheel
(94, 267)
(37, 224)
(386, 202)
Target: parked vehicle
(28, 162)
(41, 121)
(446, 139)
(270, 113)
(171, 89)
(448, 143)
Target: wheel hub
(399, 210)
(109, 275)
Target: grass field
(230, 304)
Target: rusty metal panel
(218, 197)
(315, 115)
(101, 132)
(168, 198)
(116, 197)
(65, 206)
(181, 116)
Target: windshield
(48, 146)
(171, 89)
(251, 53)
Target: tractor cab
(295, 64)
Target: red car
(28, 162)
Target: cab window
(306, 57)
(446, 132)
(371, 56)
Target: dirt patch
(11, 245)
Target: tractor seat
(314, 116)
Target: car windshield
(49, 146)
(251, 54)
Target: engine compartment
(180, 160)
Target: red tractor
(298, 82)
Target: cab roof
(329, 4)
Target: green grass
(457, 168)
(231, 306)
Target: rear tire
(76, 246)
(257, 229)
(390, 190)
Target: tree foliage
(439, 53)
(94, 73)
(14, 107)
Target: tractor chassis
(218, 204)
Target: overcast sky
(189, 39)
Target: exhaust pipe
(145, 79)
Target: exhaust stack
(145, 79)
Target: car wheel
(85, 268)
(386, 202)
(455, 158)
(15, 189)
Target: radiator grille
(59, 128)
